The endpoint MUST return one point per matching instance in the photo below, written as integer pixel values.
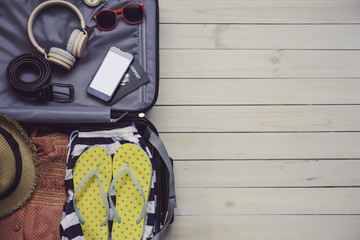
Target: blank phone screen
(110, 73)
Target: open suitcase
(53, 28)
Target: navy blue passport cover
(134, 78)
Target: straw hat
(18, 166)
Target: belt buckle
(69, 96)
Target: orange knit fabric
(40, 217)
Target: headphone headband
(39, 8)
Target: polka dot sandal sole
(89, 199)
(129, 202)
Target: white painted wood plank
(258, 91)
(265, 173)
(258, 11)
(259, 64)
(222, 205)
(265, 227)
(235, 201)
(255, 118)
(235, 36)
(262, 145)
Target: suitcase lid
(52, 28)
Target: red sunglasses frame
(117, 12)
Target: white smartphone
(109, 74)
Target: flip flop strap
(138, 185)
(95, 173)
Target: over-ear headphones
(75, 46)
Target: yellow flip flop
(92, 177)
(132, 174)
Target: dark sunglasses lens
(133, 13)
(106, 19)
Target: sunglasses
(132, 13)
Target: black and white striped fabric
(109, 137)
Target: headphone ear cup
(61, 58)
(71, 42)
(77, 43)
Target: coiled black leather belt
(40, 89)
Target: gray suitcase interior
(52, 28)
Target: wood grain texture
(269, 201)
(258, 91)
(259, 11)
(256, 118)
(257, 227)
(239, 36)
(266, 173)
(259, 64)
(333, 145)
(259, 106)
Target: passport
(134, 78)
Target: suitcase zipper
(142, 61)
(142, 56)
(128, 115)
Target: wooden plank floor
(259, 106)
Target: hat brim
(29, 173)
